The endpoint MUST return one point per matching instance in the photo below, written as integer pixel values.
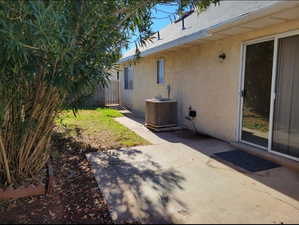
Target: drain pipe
(168, 90)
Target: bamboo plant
(51, 51)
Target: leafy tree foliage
(51, 51)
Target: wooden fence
(111, 96)
(105, 96)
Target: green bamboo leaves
(51, 54)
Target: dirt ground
(76, 197)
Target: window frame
(128, 78)
(160, 79)
(243, 46)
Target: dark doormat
(246, 161)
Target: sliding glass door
(257, 93)
(266, 122)
(286, 111)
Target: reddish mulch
(76, 198)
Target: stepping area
(178, 179)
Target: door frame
(244, 45)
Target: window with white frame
(160, 71)
(128, 78)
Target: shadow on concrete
(281, 179)
(136, 188)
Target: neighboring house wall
(198, 79)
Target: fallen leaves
(52, 214)
(76, 198)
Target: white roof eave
(208, 32)
(248, 17)
(177, 42)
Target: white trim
(130, 77)
(259, 40)
(288, 34)
(273, 89)
(208, 32)
(280, 36)
(284, 155)
(243, 65)
(168, 45)
(239, 97)
(254, 145)
(242, 80)
(273, 93)
(160, 80)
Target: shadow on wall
(135, 192)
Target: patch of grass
(107, 112)
(254, 121)
(100, 127)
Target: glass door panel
(257, 93)
(286, 111)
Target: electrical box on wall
(192, 113)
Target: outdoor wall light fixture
(222, 57)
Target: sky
(162, 14)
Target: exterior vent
(184, 16)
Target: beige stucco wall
(200, 80)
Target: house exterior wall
(198, 79)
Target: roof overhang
(177, 42)
(277, 13)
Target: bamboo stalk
(6, 165)
(24, 148)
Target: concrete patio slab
(141, 130)
(176, 180)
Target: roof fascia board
(213, 29)
(177, 42)
(277, 6)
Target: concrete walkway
(176, 180)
